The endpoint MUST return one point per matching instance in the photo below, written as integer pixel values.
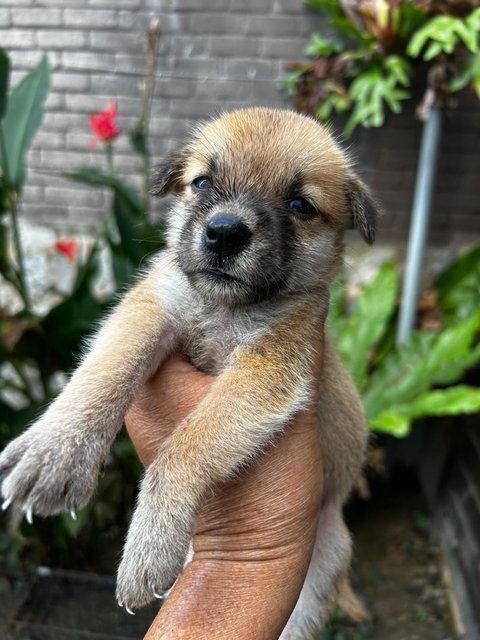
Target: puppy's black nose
(226, 235)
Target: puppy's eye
(202, 182)
(302, 208)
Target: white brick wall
(214, 54)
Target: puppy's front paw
(154, 552)
(51, 468)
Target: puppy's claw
(73, 515)
(120, 604)
(29, 515)
(132, 613)
(6, 503)
(159, 596)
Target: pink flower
(103, 124)
(69, 248)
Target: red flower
(102, 123)
(69, 248)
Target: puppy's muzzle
(226, 235)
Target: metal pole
(424, 185)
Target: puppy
(255, 236)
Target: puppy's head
(263, 199)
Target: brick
(4, 17)
(287, 6)
(241, 68)
(61, 39)
(76, 195)
(197, 68)
(135, 64)
(86, 60)
(90, 18)
(89, 103)
(283, 48)
(54, 121)
(186, 46)
(270, 26)
(71, 81)
(207, 5)
(114, 85)
(55, 101)
(118, 42)
(220, 23)
(36, 17)
(174, 88)
(48, 140)
(124, 4)
(28, 59)
(224, 90)
(172, 127)
(232, 46)
(16, 38)
(252, 6)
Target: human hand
(254, 537)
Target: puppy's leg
(54, 465)
(328, 566)
(262, 387)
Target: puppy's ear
(362, 208)
(166, 175)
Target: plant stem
(23, 291)
(23, 378)
(153, 36)
(12, 207)
(109, 154)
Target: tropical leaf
(458, 286)
(368, 321)
(21, 121)
(424, 361)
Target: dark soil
(396, 571)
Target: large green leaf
(458, 286)
(22, 119)
(368, 321)
(440, 402)
(4, 74)
(425, 360)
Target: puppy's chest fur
(207, 333)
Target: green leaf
(22, 119)
(442, 34)
(319, 47)
(4, 75)
(458, 286)
(391, 422)
(368, 322)
(128, 226)
(446, 402)
(425, 360)
(138, 140)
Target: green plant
(366, 67)
(421, 377)
(35, 349)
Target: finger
(163, 402)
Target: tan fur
(254, 327)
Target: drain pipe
(424, 186)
